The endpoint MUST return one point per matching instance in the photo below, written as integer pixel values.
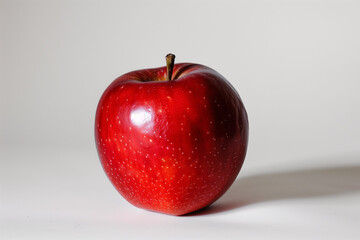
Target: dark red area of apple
(171, 146)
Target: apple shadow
(294, 184)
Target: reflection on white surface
(141, 117)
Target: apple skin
(171, 146)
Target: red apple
(171, 139)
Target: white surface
(65, 195)
(294, 63)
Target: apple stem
(170, 59)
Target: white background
(296, 65)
